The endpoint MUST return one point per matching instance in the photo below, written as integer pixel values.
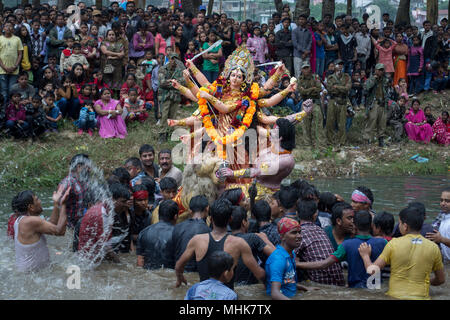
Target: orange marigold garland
(247, 103)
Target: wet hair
(118, 190)
(385, 221)
(218, 263)
(112, 179)
(198, 203)
(220, 212)
(168, 209)
(310, 192)
(78, 157)
(326, 201)
(299, 185)
(367, 192)
(288, 197)
(306, 209)
(150, 185)
(89, 198)
(237, 216)
(338, 210)
(123, 175)
(363, 220)
(14, 204)
(232, 195)
(168, 183)
(287, 132)
(419, 206)
(412, 217)
(23, 200)
(261, 211)
(146, 148)
(135, 162)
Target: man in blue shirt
(281, 275)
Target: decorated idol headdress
(242, 59)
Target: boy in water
(383, 225)
(348, 251)
(220, 266)
(412, 259)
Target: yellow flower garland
(221, 142)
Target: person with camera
(377, 97)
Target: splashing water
(88, 174)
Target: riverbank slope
(26, 164)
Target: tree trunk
(328, 7)
(24, 2)
(403, 16)
(301, 7)
(349, 7)
(279, 5)
(210, 7)
(432, 11)
(36, 3)
(1, 5)
(99, 4)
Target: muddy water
(125, 281)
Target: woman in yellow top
(412, 258)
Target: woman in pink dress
(109, 117)
(417, 127)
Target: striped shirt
(316, 246)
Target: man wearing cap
(98, 22)
(169, 98)
(281, 273)
(377, 87)
(309, 86)
(338, 86)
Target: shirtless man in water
(203, 245)
(29, 229)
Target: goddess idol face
(236, 78)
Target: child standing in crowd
(415, 66)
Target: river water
(125, 281)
